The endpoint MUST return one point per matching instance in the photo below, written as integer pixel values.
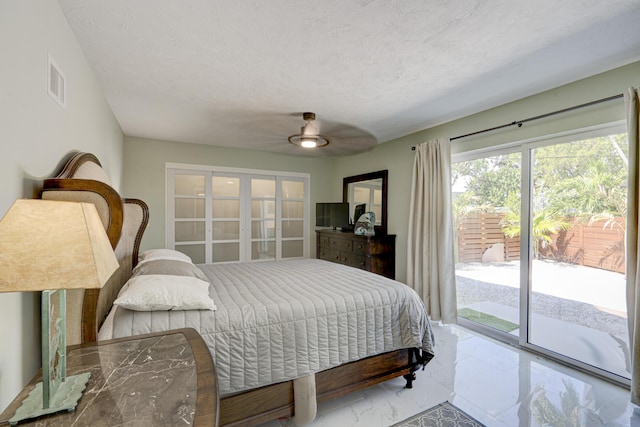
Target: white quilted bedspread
(276, 321)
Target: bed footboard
(267, 403)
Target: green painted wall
(144, 175)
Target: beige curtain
(430, 262)
(633, 266)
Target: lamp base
(65, 399)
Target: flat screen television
(334, 215)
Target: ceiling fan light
(309, 136)
(308, 143)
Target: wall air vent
(56, 84)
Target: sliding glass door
(486, 190)
(577, 302)
(540, 252)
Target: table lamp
(51, 246)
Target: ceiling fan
(309, 136)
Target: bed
(284, 335)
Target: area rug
(487, 319)
(442, 415)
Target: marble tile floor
(497, 384)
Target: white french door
(233, 215)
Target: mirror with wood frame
(370, 190)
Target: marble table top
(138, 381)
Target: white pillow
(167, 254)
(155, 292)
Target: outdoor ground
(579, 308)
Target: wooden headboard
(82, 179)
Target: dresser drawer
(357, 261)
(360, 247)
(328, 255)
(340, 244)
(345, 258)
(323, 241)
(350, 259)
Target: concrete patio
(577, 311)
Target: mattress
(277, 321)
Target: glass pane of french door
(263, 218)
(225, 218)
(292, 218)
(486, 198)
(577, 305)
(189, 226)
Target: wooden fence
(596, 245)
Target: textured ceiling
(239, 73)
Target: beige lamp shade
(47, 244)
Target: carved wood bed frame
(83, 179)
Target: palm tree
(599, 193)
(544, 224)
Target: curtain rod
(519, 123)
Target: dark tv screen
(332, 215)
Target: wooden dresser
(376, 253)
